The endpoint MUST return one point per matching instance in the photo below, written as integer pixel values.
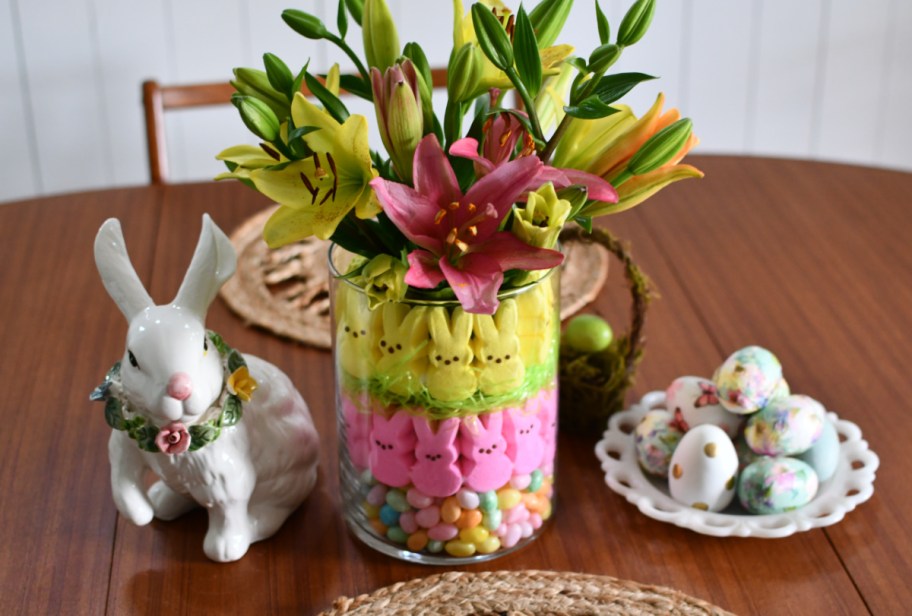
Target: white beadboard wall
(823, 79)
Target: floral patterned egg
(774, 485)
(823, 456)
(694, 401)
(747, 379)
(656, 438)
(704, 469)
(786, 426)
(782, 390)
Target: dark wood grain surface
(811, 260)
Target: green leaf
(590, 109)
(305, 24)
(415, 53)
(356, 8)
(636, 22)
(114, 414)
(357, 86)
(231, 411)
(202, 434)
(525, 49)
(604, 28)
(299, 79)
(279, 75)
(235, 361)
(145, 438)
(342, 19)
(585, 222)
(335, 107)
(492, 38)
(613, 87)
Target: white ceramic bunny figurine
(221, 430)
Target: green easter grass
(536, 378)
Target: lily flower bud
(548, 19)
(636, 22)
(258, 117)
(305, 24)
(463, 73)
(381, 41)
(397, 99)
(661, 147)
(255, 83)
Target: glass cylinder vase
(447, 420)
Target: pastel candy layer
(462, 486)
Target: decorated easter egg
(747, 379)
(823, 456)
(703, 469)
(774, 485)
(588, 333)
(656, 438)
(694, 401)
(746, 455)
(786, 426)
(782, 390)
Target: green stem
(527, 102)
(341, 44)
(545, 154)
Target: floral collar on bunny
(175, 438)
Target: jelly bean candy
(417, 541)
(418, 500)
(468, 499)
(396, 534)
(488, 500)
(377, 495)
(507, 498)
(535, 480)
(460, 549)
(396, 500)
(450, 510)
(389, 516)
(428, 517)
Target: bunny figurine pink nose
(179, 386)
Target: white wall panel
(717, 76)
(132, 42)
(20, 161)
(893, 137)
(852, 80)
(784, 108)
(69, 120)
(816, 78)
(208, 38)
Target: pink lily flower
(501, 137)
(458, 234)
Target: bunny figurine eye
(132, 359)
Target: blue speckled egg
(786, 426)
(656, 438)
(694, 402)
(774, 485)
(823, 456)
(747, 379)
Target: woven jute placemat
(518, 593)
(286, 291)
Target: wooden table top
(811, 260)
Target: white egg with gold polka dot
(704, 468)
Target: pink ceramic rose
(173, 438)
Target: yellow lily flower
(247, 157)
(490, 76)
(317, 192)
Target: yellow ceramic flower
(241, 384)
(317, 192)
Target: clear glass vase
(447, 420)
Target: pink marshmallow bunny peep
(436, 472)
(392, 448)
(357, 429)
(523, 433)
(485, 463)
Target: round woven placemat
(286, 291)
(521, 592)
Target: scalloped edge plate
(851, 484)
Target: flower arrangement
(465, 206)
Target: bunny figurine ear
(117, 273)
(213, 263)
